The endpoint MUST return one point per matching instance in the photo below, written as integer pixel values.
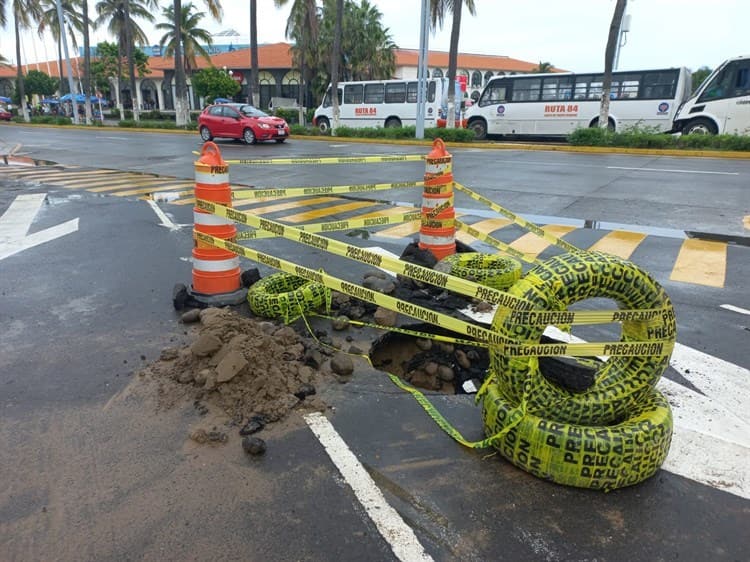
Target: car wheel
(323, 124)
(280, 140)
(393, 122)
(479, 126)
(700, 126)
(205, 134)
(248, 136)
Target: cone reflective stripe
(437, 232)
(215, 271)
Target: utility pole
(422, 67)
(68, 67)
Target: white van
(721, 105)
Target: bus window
(526, 89)
(659, 85)
(411, 92)
(494, 93)
(582, 87)
(557, 89)
(395, 93)
(374, 93)
(353, 93)
(742, 82)
(720, 86)
(327, 99)
(431, 88)
(629, 84)
(595, 87)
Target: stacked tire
(617, 432)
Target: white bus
(381, 103)
(556, 104)
(721, 104)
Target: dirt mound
(249, 368)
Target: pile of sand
(244, 366)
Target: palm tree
(119, 16)
(49, 20)
(24, 13)
(254, 82)
(438, 9)
(370, 48)
(86, 59)
(609, 57)
(181, 104)
(302, 27)
(543, 67)
(192, 35)
(335, 55)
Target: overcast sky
(570, 34)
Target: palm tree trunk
(120, 102)
(86, 60)
(609, 57)
(19, 70)
(254, 82)
(450, 118)
(301, 93)
(60, 64)
(181, 105)
(335, 56)
(131, 62)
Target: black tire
(206, 134)
(392, 122)
(700, 126)
(285, 296)
(492, 270)
(248, 136)
(324, 125)
(280, 140)
(610, 124)
(479, 126)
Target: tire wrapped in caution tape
(286, 296)
(499, 272)
(621, 382)
(598, 457)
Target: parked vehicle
(5, 115)
(555, 104)
(240, 121)
(381, 103)
(721, 104)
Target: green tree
(699, 76)
(25, 12)
(543, 67)
(108, 63)
(214, 83)
(438, 10)
(192, 35)
(39, 83)
(302, 27)
(181, 105)
(609, 57)
(119, 17)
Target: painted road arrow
(15, 223)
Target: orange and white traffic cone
(216, 272)
(437, 232)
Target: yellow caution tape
(328, 160)
(438, 318)
(530, 226)
(334, 226)
(508, 304)
(285, 192)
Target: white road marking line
(165, 220)
(396, 533)
(15, 223)
(735, 308)
(673, 171)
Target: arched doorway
(267, 84)
(149, 95)
(290, 85)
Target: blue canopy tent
(4, 99)
(80, 98)
(50, 101)
(222, 100)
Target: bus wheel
(699, 126)
(323, 124)
(393, 122)
(610, 124)
(480, 129)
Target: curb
(726, 154)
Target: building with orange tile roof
(277, 76)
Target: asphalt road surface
(93, 471)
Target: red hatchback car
(240, 121)
(5, 115)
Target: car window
(230, 112)
(215, 111)
(251, 111)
